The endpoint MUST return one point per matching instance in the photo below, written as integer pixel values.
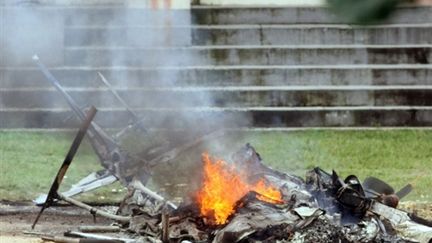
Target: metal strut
(52, 194)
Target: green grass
(29, 160)
(398, 157)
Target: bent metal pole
(52, 194)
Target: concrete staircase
(283, 67)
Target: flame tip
(223, 186)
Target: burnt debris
(322, 208)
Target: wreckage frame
(321, 208)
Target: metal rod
(137, 120)
(165, 225)
(99, 238)
(52, 194)
(119, 98)
(93, 210)
(98, 228)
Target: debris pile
(238, 200)
(322, 208)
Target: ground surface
(17, 219)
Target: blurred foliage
(363, 11)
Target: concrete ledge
(209, 15)
(223, 76)
(362, 116)
(249, 35)
(133, 36)
(228, 98)
(124, 16)
(247, 56)
(283, 35)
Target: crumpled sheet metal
(145, 224)
(364, 231)
(415, 232)
(403, 224)
(324, 230)
(187, 229)
(289, 189)
(255, 217)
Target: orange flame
(223, 186)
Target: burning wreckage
(240, 201)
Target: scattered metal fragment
(99, 237)
(89, 183)
(139, 186)
(65, 239)
(402, 223)
(99, 228)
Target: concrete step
(312, 35)
(284, 96)
(205, 76)
(256, 116)
(249, 55)
(303, 34)
(101, 15)
(134, 36)
(212, 15)
(126, 16)
(206, 15)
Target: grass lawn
(29, 160)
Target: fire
(223, 186)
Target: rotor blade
(404, 191)
(377, 185)
(52, 194)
